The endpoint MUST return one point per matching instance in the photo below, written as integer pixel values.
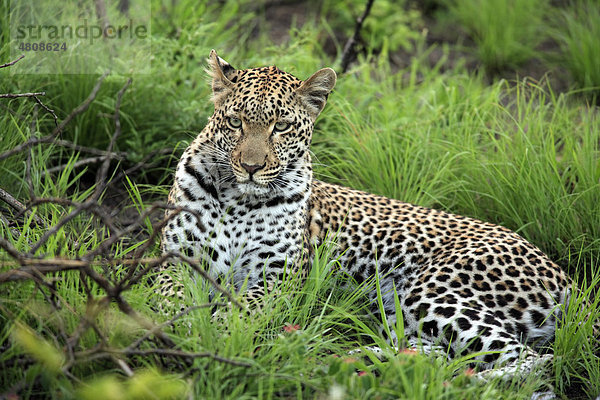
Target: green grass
(577, 29)
(514, 153)
(505, 33)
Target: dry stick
(30, 142)
(49, 266)
(91, 150)
(12, 62)
(142, 163)
(126, 283)
(28, 174)
(112, 293)
(184, 354)
(88, 356)
(92, 200)
(95, 209)
(157, 227)
(349, 49)
(193, 263)
(38, 279)
(104, 246)
(25, 273)
(77, 164)
(17, 95)
(172, 321)
(198, 268)
(101, 281)
(18, 206)
(101, 182)
(49, 138)
(34, 119)
(82, 107)
(88, 321)
(48, 110)
(52, 231)
(101, 15)
(102, 173)
(34, 95)
(10, 249)
(145, 323)
(11, 201)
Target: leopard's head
(262, 125)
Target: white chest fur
(236, 234)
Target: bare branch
(11, 201)
(102, 172)
(13, 62)
(52, 231)
(202, 272)
(91, 150)
(80, 163)
(101, 14)
(48, 110)
(163, 352)
(10, 249)
(82, 107)
(18, 206)
(349, 52)
(172, 321)
(49, 138)
(17, 95)
(53, 265)
(95, 266)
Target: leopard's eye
(235, 122)
(281, 126)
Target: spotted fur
(464, 284)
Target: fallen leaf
(289, 328)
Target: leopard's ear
(220, 71)
(314, 91)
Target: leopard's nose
(253, 168)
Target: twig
(18, 206)
(10, 249)
(142, 163)
(49, 138)
(48, 110)
(49, 266)
(12, 62)
(91, 150)
(103, 171)
(101, 176)
(171, 321)
(163, 352)
(202, 272)
(28, 178)
(52, 231)
(82, 107)
(349, 52)
(142, 321)
(77, 164)
(101, 15)
(17, 95)
(95, 209)
(27, 265)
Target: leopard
(250, 209)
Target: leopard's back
(456, 277)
